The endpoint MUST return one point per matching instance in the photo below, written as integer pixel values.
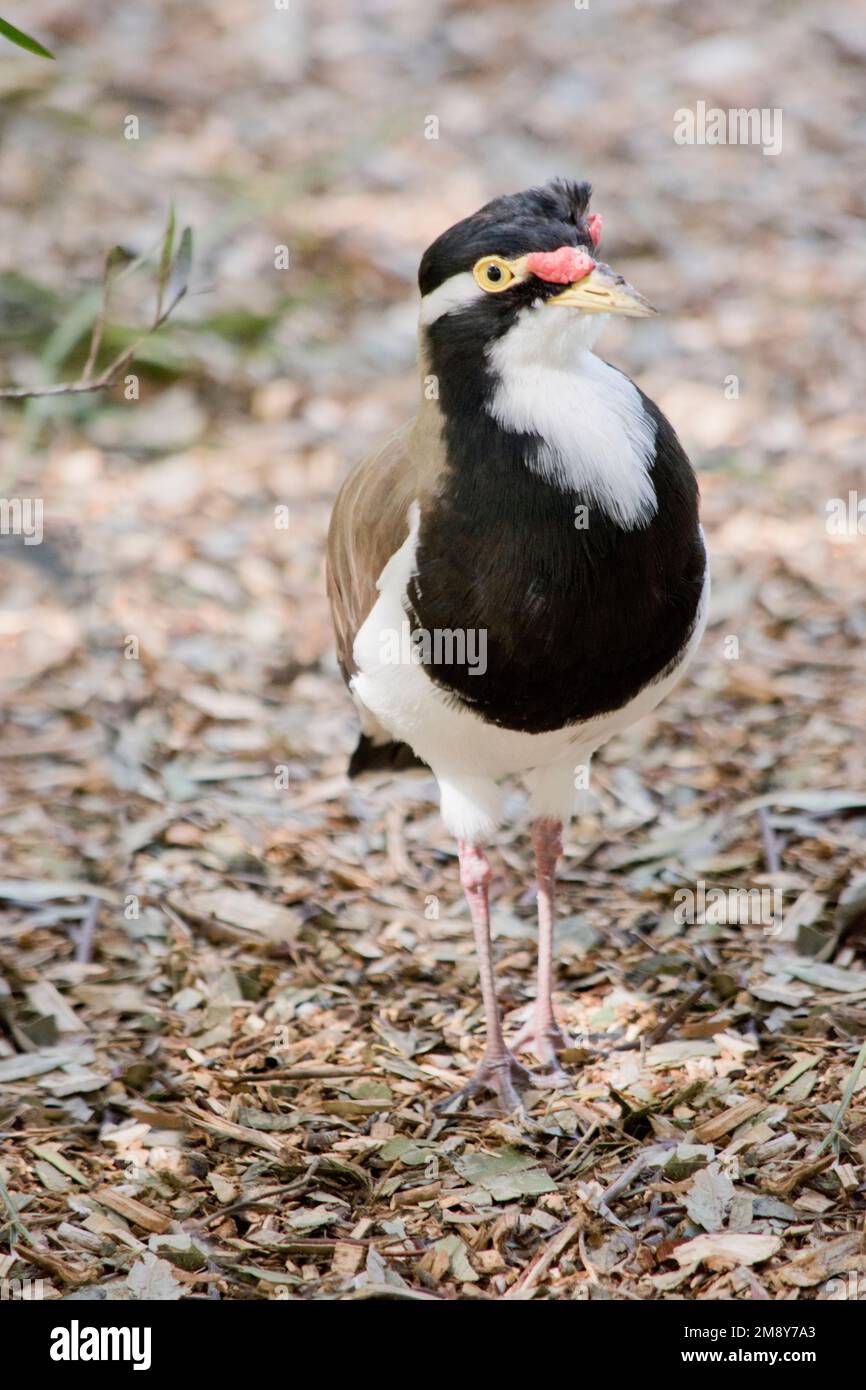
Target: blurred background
(172, 720)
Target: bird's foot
(504, 1076)
(542, 1035)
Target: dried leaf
(709, 1197)
(151, 1280)
(727, 1250)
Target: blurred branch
(23, 40)
(172, 285)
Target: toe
(503, 1076)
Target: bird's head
(524, 268)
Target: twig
(587, 1262)
(74, 1277)
(99, 324)
(297, 1074)
(832, 1136)
(803, 1173)
(542, 1262)
(103, 382)
(173, 273)
(258, 1198)
(648, 1158)
(64, 388)
(676, 1015)
(661, 1030)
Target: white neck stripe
(456, 293)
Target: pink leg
(499, 1070)
(541, 1031)
(475, 876)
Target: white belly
(468, 755)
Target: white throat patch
(598, 439)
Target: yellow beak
(604, 292)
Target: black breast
(577, 620)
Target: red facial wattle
(594, 224)
(562, 267)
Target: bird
(519, 572)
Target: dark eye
(493, 274)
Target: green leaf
(178, 281)
(165, 260)
(503, 1176)
(407, 1151)
(51, 1154)
(23, 40)
(479, 1167)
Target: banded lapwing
(519, 573)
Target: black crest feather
(538, 219)
(573, 195)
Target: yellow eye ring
(493, 274)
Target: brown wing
(370, 521)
